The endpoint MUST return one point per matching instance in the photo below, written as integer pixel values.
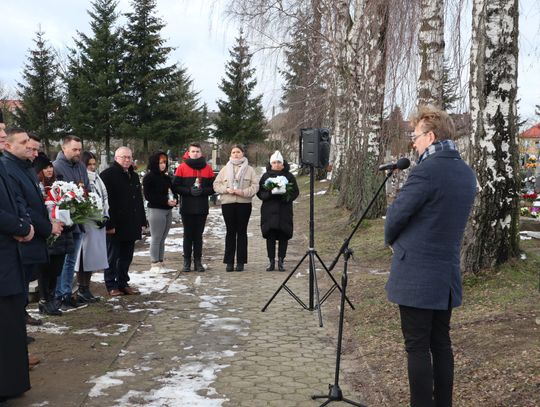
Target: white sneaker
(162, 267)
(155, 268)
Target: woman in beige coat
(237, 183)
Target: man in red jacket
(193, 180)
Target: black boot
(187, 264)
(197, 265)
(281, 264)
(49, 308)
(229, 267)
(271, 265)
(240, 267)
(85, 296)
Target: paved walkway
(203, 340)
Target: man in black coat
(126, 220)
(15, 228)
(17, 161)
(424, 227)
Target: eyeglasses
(124, 157)
(414, 136)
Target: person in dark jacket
(69, 168)
(424, 227)
(57, 249)
(277, 209)
(17, 159)
(157, 185)
(193, 181)
(15, 228)
(126, 220)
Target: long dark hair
(87, 156)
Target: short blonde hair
(433, 119)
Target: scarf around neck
(239, 176)
(442, 145)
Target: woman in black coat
(157, 186)
(277, 208)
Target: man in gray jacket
(424, 227)
(68, 167)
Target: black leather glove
(196, 191)
(100, 223)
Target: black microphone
(401, 164)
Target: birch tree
(431, 52)
(492, 234)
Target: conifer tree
(183, 121)
(94, 77)
(241, 118)
(41, 94)
(147, 76)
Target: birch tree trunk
(492, 232)
(431, 52)
(362, 179)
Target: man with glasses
(424, 227)
(126, 220)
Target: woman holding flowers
(277, 189)
(92, 255)
(237, 183)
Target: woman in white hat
(237, 183)
(277, 189)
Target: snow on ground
(49, 328)
(108, 380)
(122, 328)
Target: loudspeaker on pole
(315, 147)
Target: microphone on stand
(401, 164)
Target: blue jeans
(65, 280)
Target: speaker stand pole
(335, 393)
(314, 301)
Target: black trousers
(430, 360)
(276, 235)
(48, 275)
(14, 376)
(236, 216)
(193, 232)
(120, 255)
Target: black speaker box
(315, 147)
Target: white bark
(494, 223)
(431, 52)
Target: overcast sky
(202, 38)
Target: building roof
(533, 132)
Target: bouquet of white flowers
(278, 185)
(68, 203)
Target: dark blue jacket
(425, 226)
(26, 184)
(12, 279)
(69, 171)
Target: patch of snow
(110, 379)
(93, 331)
(48, 328)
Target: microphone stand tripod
(315, 301)
(335, 393)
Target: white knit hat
(276, 157)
